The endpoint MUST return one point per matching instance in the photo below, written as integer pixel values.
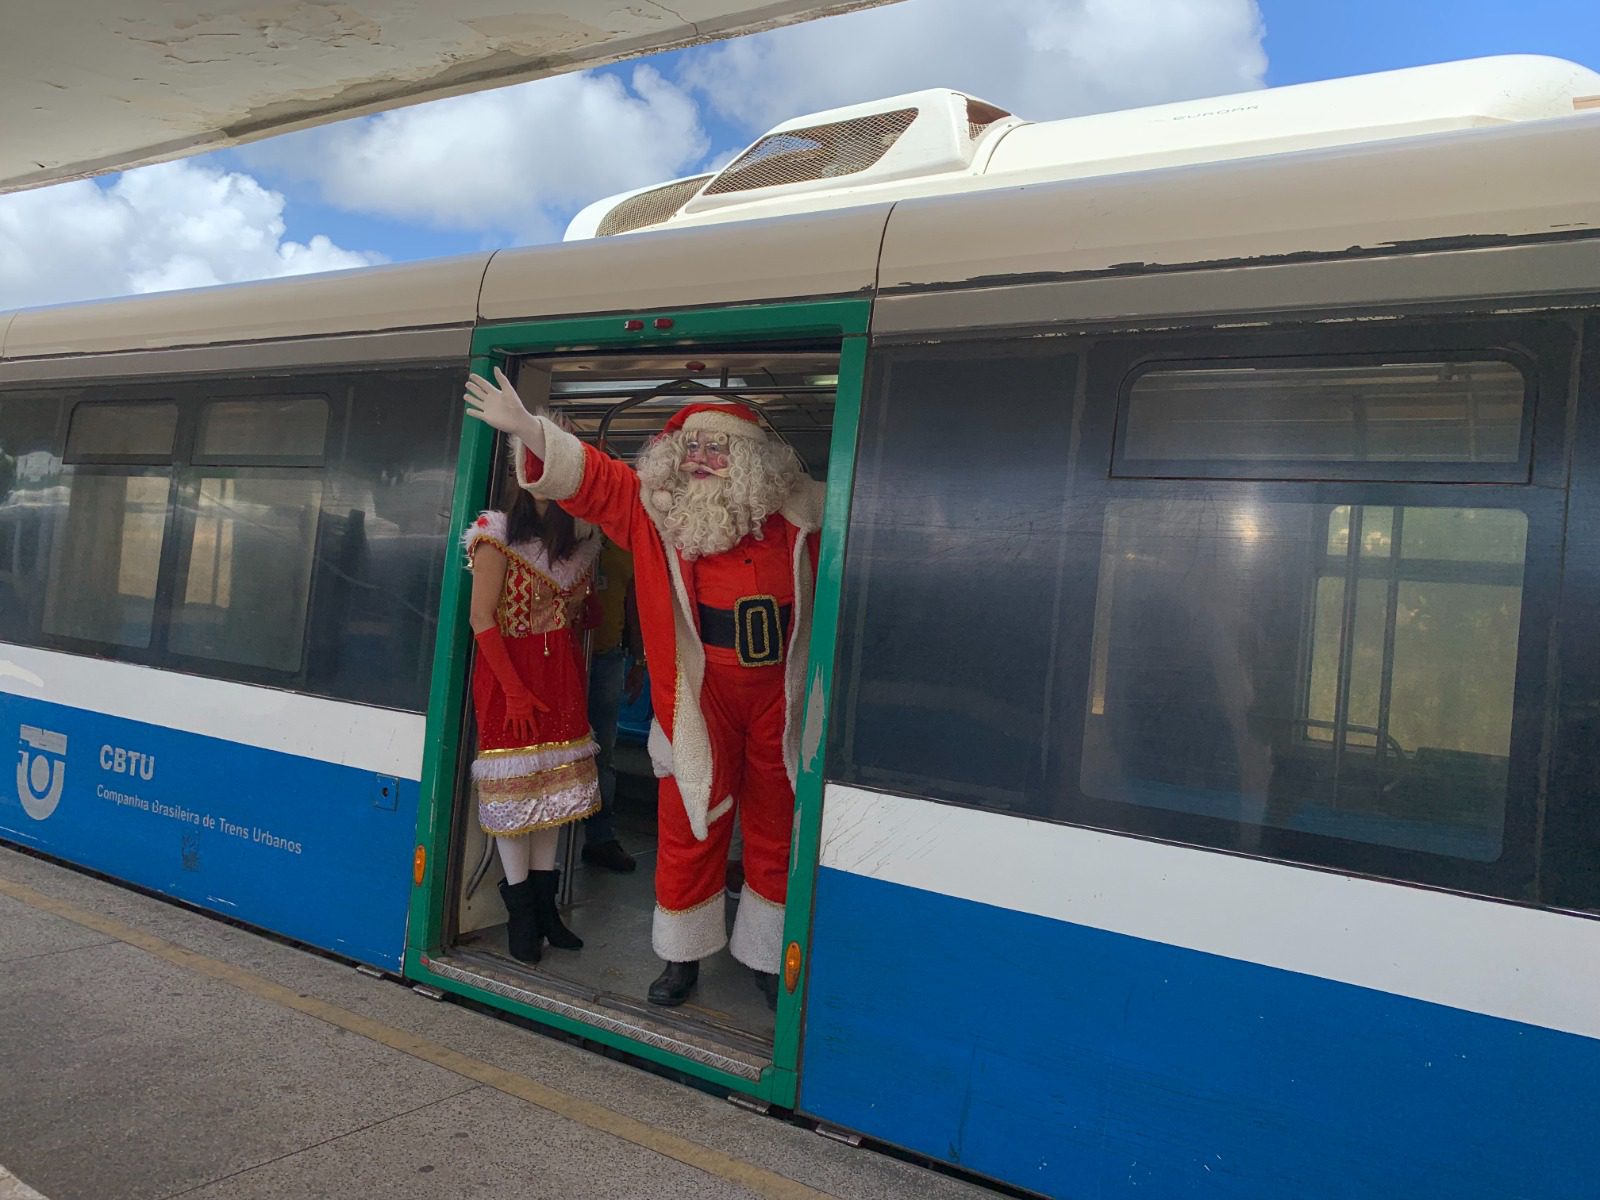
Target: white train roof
(938, 141)
(1450, 184)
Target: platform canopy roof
(100, 85)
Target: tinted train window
(122, 431)
(1338, 671)
(246, 431)
(1377, 420)
(105, 564)
(953, 575)
(291, 533)
(245, 582)
(103, 570)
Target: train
(1200, 780)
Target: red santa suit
(727, 637)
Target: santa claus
(722, 522)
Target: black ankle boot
(672, 986)
(522, 925)
(609, 855)
(544, 891)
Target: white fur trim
(803, 508)
(757, 939)
(724, 423)
(513, 766)
(564, 574)
(660, 750)
(718, 811)
(563, 463)
(689, 936)
(691, 741)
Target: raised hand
(498, 405)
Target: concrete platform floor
(148, 1051)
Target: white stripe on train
(335, 731)
(1483, 956)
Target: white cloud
(174, 225)
(1041, 59)
(518, 160)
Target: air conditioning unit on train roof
(924, 143)
(920, 135)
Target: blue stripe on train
(312, 850)
(1083, 1063)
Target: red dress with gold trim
(524, 785)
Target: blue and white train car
(1200, 790)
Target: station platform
(149, 1051)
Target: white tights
(526, 852)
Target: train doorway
(728, 1029)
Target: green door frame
(846, 320)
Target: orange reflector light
(419, 864)
(791, 966)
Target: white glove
(501, 408)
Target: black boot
(672, 986)
(609, 855)
(544, 891)
(767, 981)
(522, 925)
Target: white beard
(702, 517)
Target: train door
(617, 381)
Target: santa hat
(731, 420)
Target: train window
(952, 576)
(122, 432)
(245, 579)
(1337, 417)
(1335, 671)
(295, 538)
(1346, 671)
(258, 430)
(31, 475)
(106, 561)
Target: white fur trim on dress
(689, 936)
(757, 939)
(563, 463)
(514, 766)
(491, 527)
(660, 750)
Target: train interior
(619, 402)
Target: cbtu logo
(41, 770)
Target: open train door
(618, 379)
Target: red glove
(520, 702)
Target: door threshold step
(710, 1047)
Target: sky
(511, 166)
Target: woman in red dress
(532, 568)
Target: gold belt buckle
(758, 631)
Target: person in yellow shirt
(615, 638)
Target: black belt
(757, 627)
